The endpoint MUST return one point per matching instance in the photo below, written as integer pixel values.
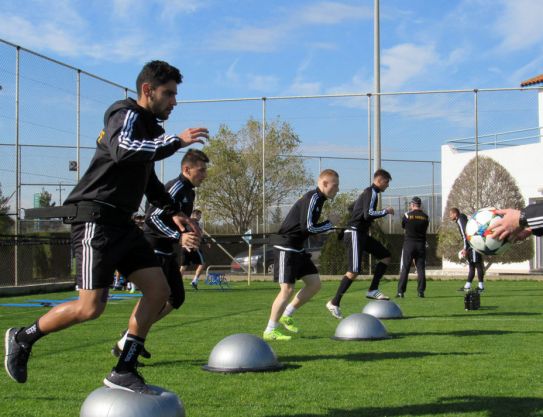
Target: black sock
(29, 335)
(342, 289)
(129, 356)
(380, 270)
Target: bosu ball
(242, 352)
(383, 309)
(112, 402)
(360, 326)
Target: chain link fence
(51, 114)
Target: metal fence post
(264, 212)
(78, 123)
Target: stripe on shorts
(282, 266)
(87, 255)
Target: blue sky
(253, 48)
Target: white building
(524, 163)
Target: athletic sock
(342, 289)
(380, 270)
(290, 310)
(481, 285)
(129, 357)
(272, 325)
(122, 340)
(467, 285)
(195, 280)
(29, 335)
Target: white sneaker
(334, 310)
(376, 295)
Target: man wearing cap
(415, 224)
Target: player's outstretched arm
(193, 135)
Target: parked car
(257, 259)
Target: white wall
(524, 163)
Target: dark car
(241, 260)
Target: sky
(243, 48)
(248, 48)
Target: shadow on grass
(462, 333)
(369, 356)
(490, 406)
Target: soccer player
(358, 241)
(194, 257)
(415, 223)
(291, 262)
(163, 234)
(474, 258)
(104, 236)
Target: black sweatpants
(413, 250)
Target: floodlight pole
(17, 166)
(377, 86)
(476, 110)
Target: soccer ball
(479, 229)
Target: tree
(45, 198)
(497, 188)
(232, 193)
(6, 223)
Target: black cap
(417, 201)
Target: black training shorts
(289, 266)
(357, 243)
(100, 249)
(194, 257)
(170, 267)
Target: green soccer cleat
(288, 323)
(275, 334)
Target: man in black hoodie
(104, 236)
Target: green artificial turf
(440, 361)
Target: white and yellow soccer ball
(479, 229)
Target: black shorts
(100, 249)
(193, 257)
(289, 266)
(170, 267)
(473, 257)
(359, 243)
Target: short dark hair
(382, 173)
(454, 210)
(157, 73)
(193, 156)
(196, 211)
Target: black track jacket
(122, 169)
(302, 221)
(159, 224)
(415, 223)
(365, 210)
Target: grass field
(441, 360)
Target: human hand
(194, 227)
(193, 135)
(189, 240)
(507, 225)
(390, 210)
